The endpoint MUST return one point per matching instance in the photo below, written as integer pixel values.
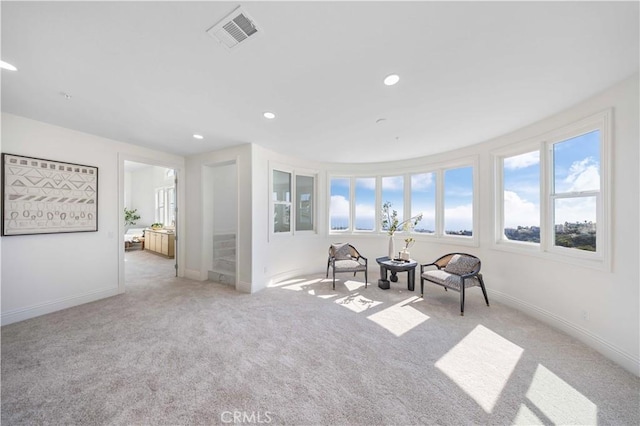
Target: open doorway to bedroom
(150, 249)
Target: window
(365, 204)
(393, 192)
(165, 211)
(553, 193)
(575, 191)
(458, 201)
(339, 207)
(305, 189)
(171, 206)
(423, 200)
(521, 197)
(281, 201)
(356, 202)
(293, 198)
(160, 203)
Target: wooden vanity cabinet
(160, 242)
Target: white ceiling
(147, 73)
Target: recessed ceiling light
(7, 66)
(66, 96)
(196, 136)
(391, 79)
(269, 115)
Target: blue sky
(576, 168)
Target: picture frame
(42, 196)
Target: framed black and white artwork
(47, 196)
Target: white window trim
(294, 172)
(601, 259)
(438, 170)
(349, 229)
(314, 209)
(352, 205)
(498, 156)
(474, 239)
(165, 206)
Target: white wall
(552, 290)
(45, 273)
(197, 169)
(219, 205)
(272, 254)
(225, 205)
(144, 183)
(127, 190)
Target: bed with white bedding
(134, 238)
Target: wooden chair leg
(366, 281)
(334, 278)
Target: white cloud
(365, 211)
(521, 161)
(458, 218)
(519, 212)
(339, 206)
(575, 210)
(366, 183)
(583, 175)
(393, 183)
(422, 181)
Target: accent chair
(343, 257)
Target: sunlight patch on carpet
(399, 318)
(356, 302)
(284, 283)
(481, 365)
(353, 285)
(299, 285)
(526, 417)
(559, 401)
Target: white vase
(392, 249)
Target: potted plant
(131, 216)
(391, 224)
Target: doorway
(150, 232)
(220, 222)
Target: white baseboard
(287, 275)
(193, 274)
(614, 353)
(243, 287)
(22, 314)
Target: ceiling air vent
(234, 29)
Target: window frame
(438, 171)
(601, 258)
(349, 229)
(166, 211)
(274, 203)
(293, 208)
(499, 215)
(353, 203)
(314, 203)
(475, 223)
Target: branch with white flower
(391, 223)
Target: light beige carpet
(175, 351)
